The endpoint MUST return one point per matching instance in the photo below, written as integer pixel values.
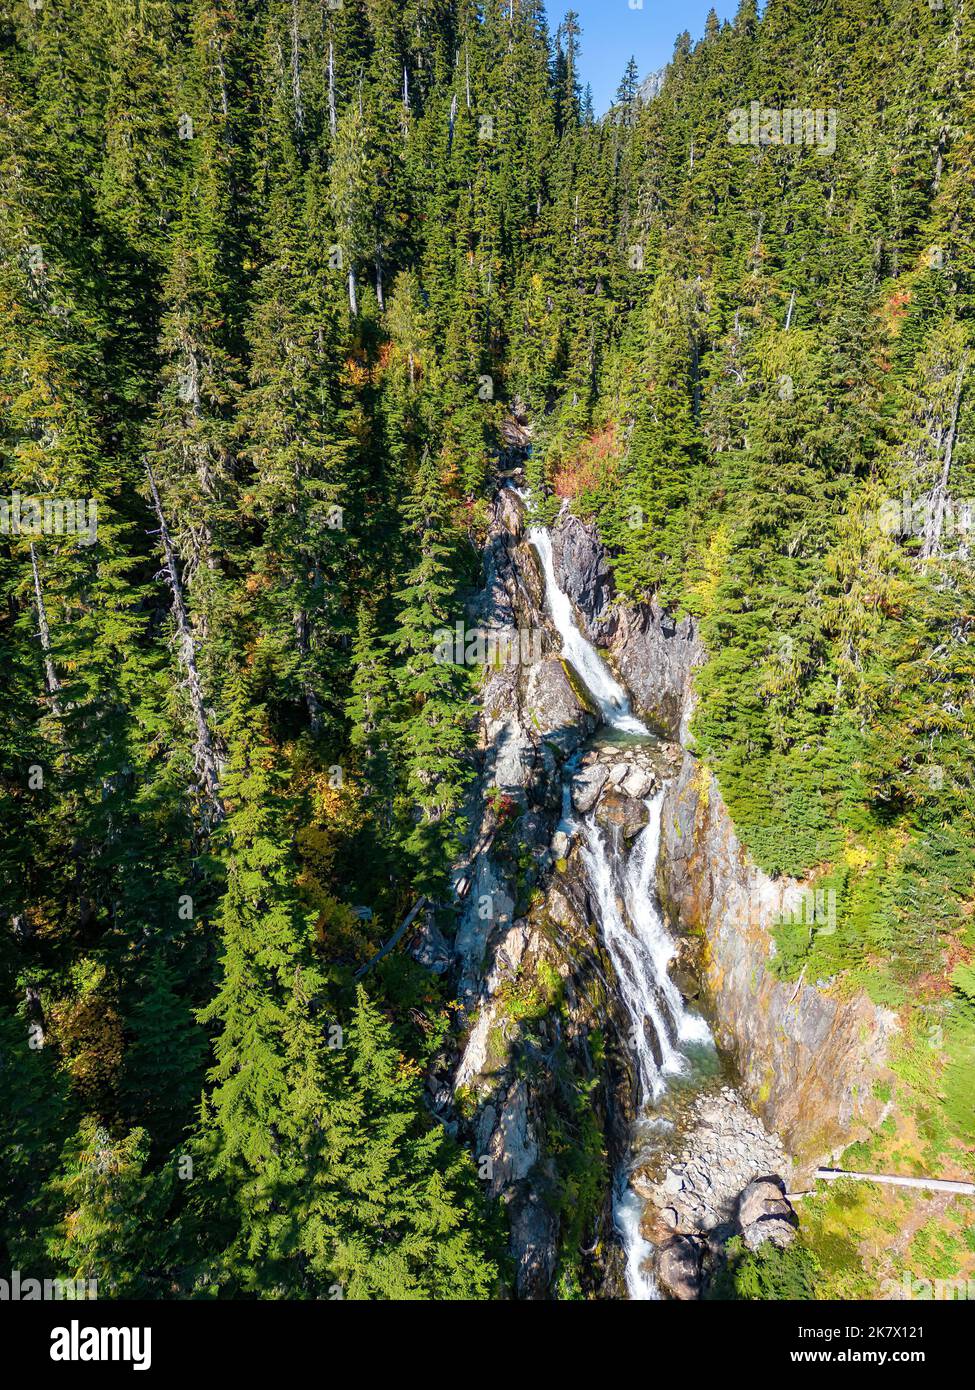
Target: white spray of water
(623, 887)
(607, 692)
(661, 1025)
(627, 1212)
(634, 952)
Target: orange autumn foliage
(595, 456)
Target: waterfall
(661, 1026)
(607, 692)
(623, 887)
(622, 882)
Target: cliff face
(808, 1057)
(542, 1087)
(652, 654)
(538, 1096)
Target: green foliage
(789, 1274)
(305, 262)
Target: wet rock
(583, 572)
(586, 786)
(560, 844)
(615, 810)
(638, 783)
(679, 1268)
(685, 980)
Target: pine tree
(433, 692)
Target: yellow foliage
(713, 562)
(859, 856)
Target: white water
(607, 692)
(641, 950)
(627, 1213)
(623, 886)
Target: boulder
(685, 980)
(763, 1197)
(679, 1268)
(764, 1214)
(622, 811)
(586, 786)
(770, 1228)
(638, 783)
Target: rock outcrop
(679, 1267)
(765, 1214)
(531, 720)
(809, 1056)
(534, 980)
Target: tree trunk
(331, 89)
(44, 633)
(204, 753)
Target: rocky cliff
(809, 1057)
(539, 1089)
(542, 1087)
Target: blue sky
(612, 32)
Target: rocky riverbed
(711, 1170)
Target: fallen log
(396, 936)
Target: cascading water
(607, 692)
(641, 950)
(663, 1031)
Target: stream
(670, 1044)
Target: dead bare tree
(44, 633)
(205, 758)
